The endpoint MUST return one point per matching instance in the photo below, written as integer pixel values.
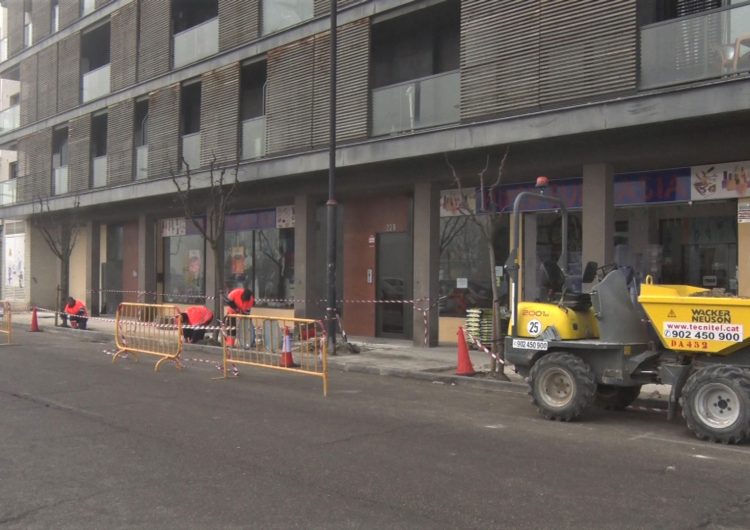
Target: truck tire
(612, 397)
(716, 403)
(562, 386)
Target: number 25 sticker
(534, 327)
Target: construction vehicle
(579, 349)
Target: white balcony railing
(191, 150)
(254, 138)
(28, 34)
(10, 119)
(3, 48)
(96, 83)
(60, 176)
(99, 172)
(7, 192)
(141, 162)
(425, 102)
(196, 43)
(696, 47)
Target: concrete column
(304, 256)
(598, 214)
(42, 270)
(93, 253)
(147, 256)
(426, 237)
(743, 250)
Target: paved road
(88, 444)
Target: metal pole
(331, 204)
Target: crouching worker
(197, 315)
(239, 302)
(75, 311)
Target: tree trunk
(64, 283)
(218, 250)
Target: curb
(431, 375)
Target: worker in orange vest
(239, 302)
(197, 315)
(75, 311)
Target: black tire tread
(707, 374)
(585, 391)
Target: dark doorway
(394, 271)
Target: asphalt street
(85, 443)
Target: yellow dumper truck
(580, 349)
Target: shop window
(262, 259)
(184, 254)
(465, 276)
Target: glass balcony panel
(28, 34)
(10, 119)
(280, 14)
(3, 49)
(8, 192)
(87, 6)
(696, 47)
(96, 83)
(141, 162)
(60, 175)
(196, 43)
(254, 138)
(191, 150)
(99, 175)
(420, 103)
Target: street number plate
(523, 344)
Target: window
(141, 123)
(12, 170)
(28, 28)
(99, 135)
(55, 16)
(190, 114)
(95, 48)
(253, 90)
(189, 13)
(280, 14)
(14, 99)
(60, 147)
(259, 255)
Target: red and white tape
(484, 348)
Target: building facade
(635, 110)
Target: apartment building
(636, 111)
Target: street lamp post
(331, 204)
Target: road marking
(497, 426)
(640, 436)
(704, 457)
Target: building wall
(124, 49)
(164, 131)
(69, 72)
(239, 22)
(79, 267)
(155, 51)
(70, 11)
(41, 18)
(79, 148)
(120, 130)
(47, 82)
(220, 114)
(365, 217)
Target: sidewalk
(390, 357)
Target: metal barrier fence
(5, 320)
(290, 344)
(150, 329)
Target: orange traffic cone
(464, 361)
(287, 361)
(34, 321)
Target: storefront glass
(259, 254)
(184, 267)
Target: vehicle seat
(554, 284)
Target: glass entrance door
(394, 271)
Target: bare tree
(486, 216)
(216, 200)
(60, 229)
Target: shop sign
(720, 181)
(174, 227)
(743, 211)
(453, 202)
(285, 217)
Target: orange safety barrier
(290, 344)
(6, 327)
(151, 329)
